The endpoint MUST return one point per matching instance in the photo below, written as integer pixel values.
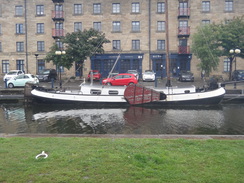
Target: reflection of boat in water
(68, 119)
(132, 120)
(82, 120)
(175, 121)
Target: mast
(168, 83)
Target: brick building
(136, 29)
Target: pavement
(160, 83)
(113, 136)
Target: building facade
(136, 29)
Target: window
(0, 28)
(160, 7)
(40, 46)
(161, 44)
(116, 8)
(40, 65)
(135, 26)
(19, 28)
(1, 47)
(97, 26)
(39, 10)
(77, 26)
(161, 26)
(19, 10)
(19, 46)
(125, 64)
(59, 31)
(116, 26)
(135, 64)
(40, 28)
(20, 65)
(95, 92)
(59, 11)
(183, 48)
(206, 6)
(5, 66)
(59, 44)
(59, 26)
(226, 64)
(183, 23)
(135, 44)
(135, 8)
(229, 5)
(77, 9)
(97, 8)
(116, 44)
(183, 9)
(205, 22)
(183, 28)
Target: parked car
(47, 75)
(96, 75)
(21, 80)
(186, 76)
(120, 80)
(238, 75)
(12, 74)
(135, 72)
(148, 75)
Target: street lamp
(235, 51)
(59, 53)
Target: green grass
(121, 160)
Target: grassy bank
(121, 160)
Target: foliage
(232, 36)
(215, 40)
(205, 47)
(78, 46)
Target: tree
(215, 40)
(205, 47)
(232, 37)
(78, 46)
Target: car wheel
(11, 85)
(109, 84)
(131, 84)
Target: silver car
(12, 74)
(148, 75)
(135, 72)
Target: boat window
(95, 92)
(113, 92)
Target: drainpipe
(26, 38)
(149, 33)
(168, 84)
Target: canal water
(219, 120)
